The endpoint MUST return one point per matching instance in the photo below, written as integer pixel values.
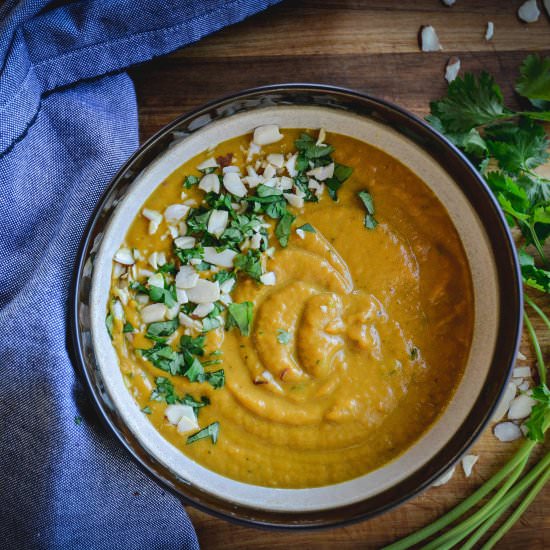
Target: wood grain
(370, 46)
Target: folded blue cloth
(68, 120)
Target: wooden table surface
(370, 46)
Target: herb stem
(487, 523)
(536, 344)
(456, 534)
(531, 495)
(466, 504)
(537, 244)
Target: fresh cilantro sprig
(473, 116)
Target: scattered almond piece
(521, 372)
(468, 463)
(521, 407)
(445, 478)
(429, 41)
(529, 11)
(490, 31)
(507, 431)
(452, 68)
(504, 404)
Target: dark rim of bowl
(479, 196)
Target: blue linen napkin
(68, 120)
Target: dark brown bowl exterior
(473, 187)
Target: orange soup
(292, 308)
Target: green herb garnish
(366, 198)
(211, 431)
(307, 227)
(161, 329)
(240, 315)
(109, 321)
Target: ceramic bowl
(480, 225)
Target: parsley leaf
(164, 357)
(306, 144)
(164, 391)
(282, 231)
(194, 346)
(189, 181)
(162, 328)
(240, 315)
(534, 80)
(216, 378)
(211, 431)
(249, 262)
(163, 295)
(128, 327)
(470, 102)
(366, 199)
(539, 418)
(109, 321)
(307, 227)
(518, 147)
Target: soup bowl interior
(486, 242)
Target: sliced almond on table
(529, 11)
(505, 400)
(520, 407)
(468, 463)
(445, 478)
(490, 31)
(507, 431)
(452, 69)
(429, 41)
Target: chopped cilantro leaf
(240, 315)
(366, 199)
(282, 231)
(195, 371)
(162, 328)
(109, 321)
(164, 357)
(211, 431)
(307, 227)
(249, 263)
(168, 268)
(128, 327)
(146, 410)
(194, 346)
(342, 172)
(189, 181)
(216, 378)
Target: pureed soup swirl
(292, 309)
